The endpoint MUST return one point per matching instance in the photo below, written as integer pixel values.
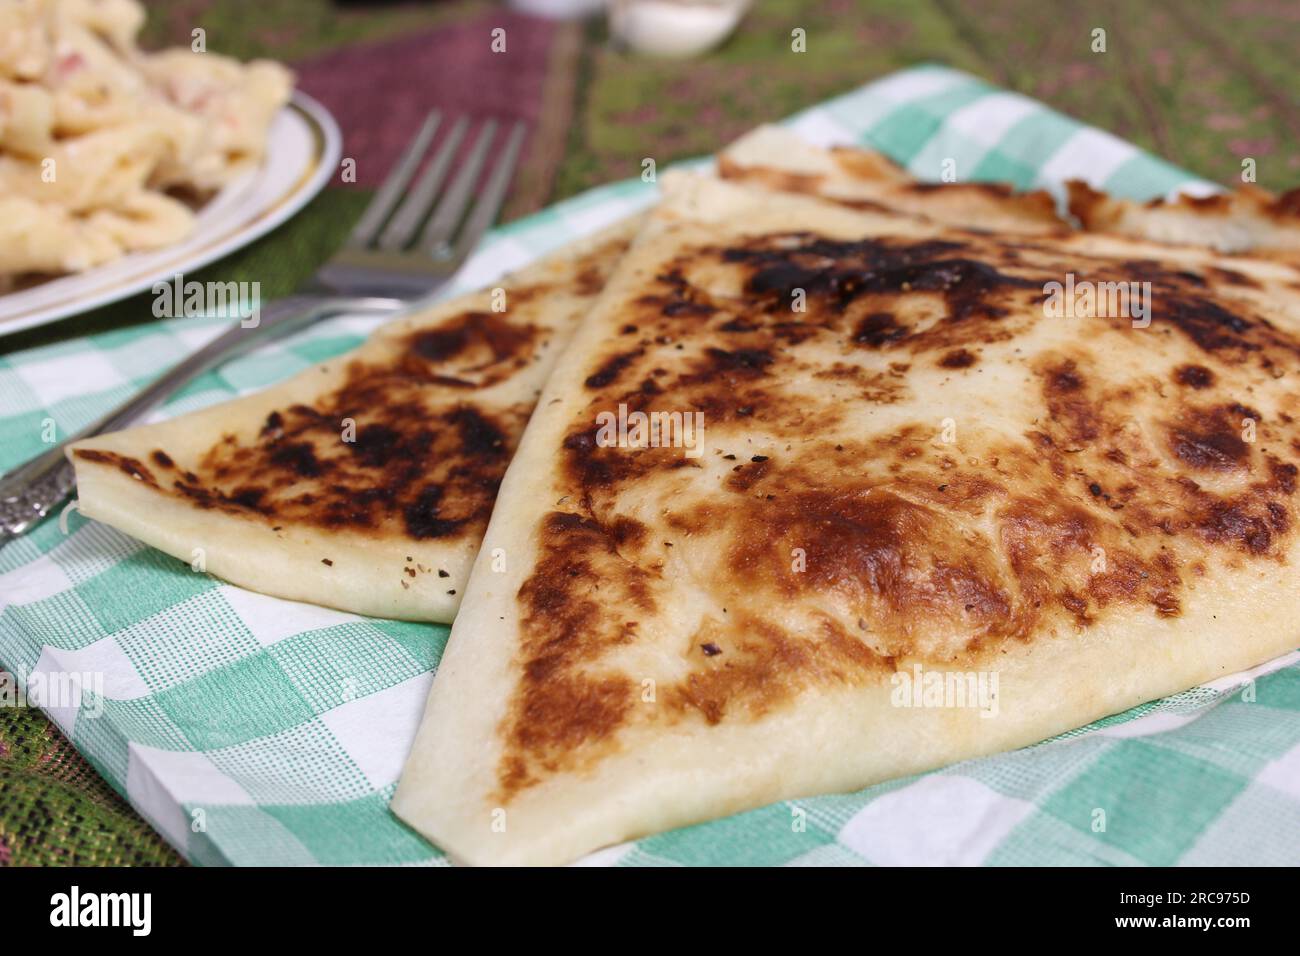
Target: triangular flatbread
(363, 483)
(931, 517)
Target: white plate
(302, 153)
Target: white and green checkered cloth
(251, 730)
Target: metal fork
(388, 262)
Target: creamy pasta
(104, 148)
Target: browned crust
(1118, 494)
(780, 180)
(1244, 207)
(401, 448)
(404, 447)
(869, 165)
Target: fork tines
(392, 222)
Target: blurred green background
(1199, 82)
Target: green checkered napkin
(250, 730)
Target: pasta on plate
(106, 149)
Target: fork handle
(31, 490)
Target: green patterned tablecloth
(251, 730)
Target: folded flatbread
(363, 483)
(952, 493)
(1249, 219)
(776, 158)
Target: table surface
(1201, 85)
